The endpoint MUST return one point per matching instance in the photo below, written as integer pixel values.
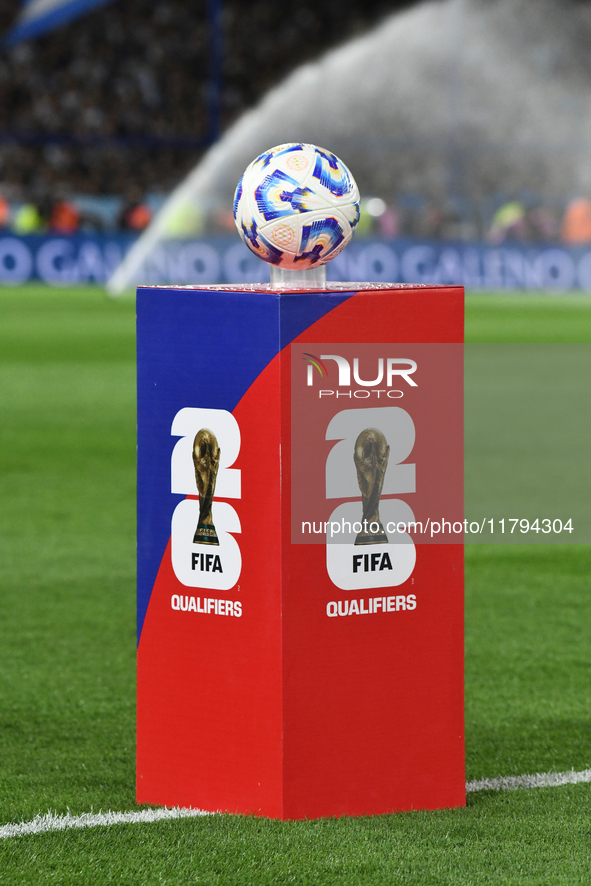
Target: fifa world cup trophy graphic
(206, 458)
(371, 460)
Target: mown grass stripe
(50, 822)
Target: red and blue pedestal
(287, 670)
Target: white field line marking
(50, 822)
(541, 780)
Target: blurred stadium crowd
(101, 118)
(114, 105)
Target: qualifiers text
(374, 605)
(210, 607)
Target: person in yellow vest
(508, 223)
(28, 220)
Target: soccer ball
(296, 206)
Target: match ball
(296, 206)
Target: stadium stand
(115, 104)
(102, 117)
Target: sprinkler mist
(460, 97)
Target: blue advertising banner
(62, 261)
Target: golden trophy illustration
(371, 460)
(206, 458)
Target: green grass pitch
(67, 647)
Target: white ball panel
(299, 206)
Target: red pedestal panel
(277, 674)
